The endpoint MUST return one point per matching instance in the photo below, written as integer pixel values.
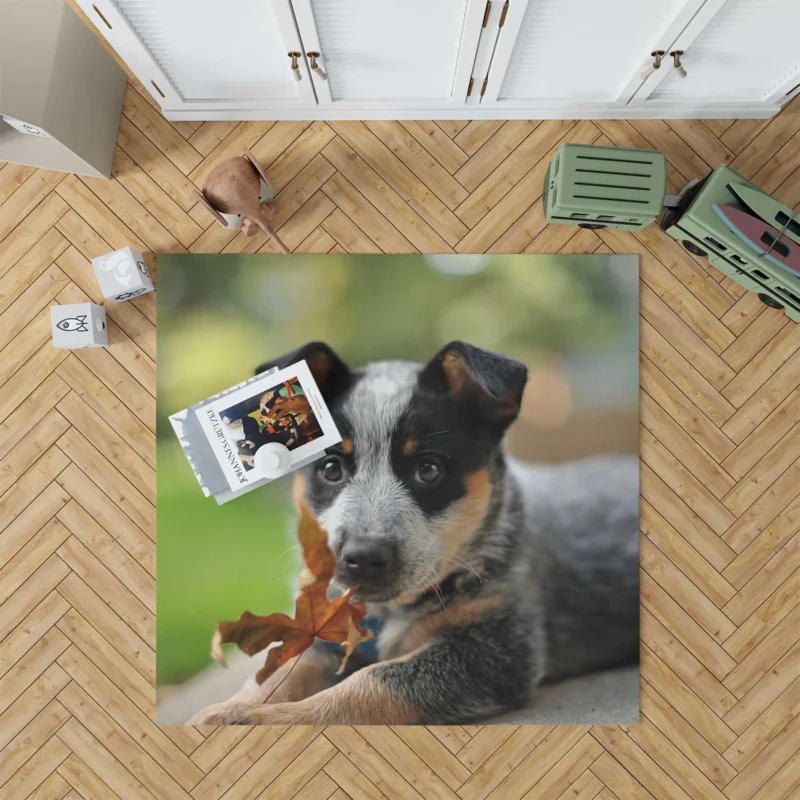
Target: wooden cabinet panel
(580, 51)
(748, 51)
(205, 53)
(440, 59)
(390, 53)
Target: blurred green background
(572, 319)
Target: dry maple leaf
(318, 557)
(336, 620)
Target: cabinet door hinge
(483, 88)
(503, 15)
(486, 13)
(469, 88)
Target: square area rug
(428, 502)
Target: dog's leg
(361, 699)
(299, 678)
(468, 673)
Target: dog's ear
(492, 384)
(329, 371)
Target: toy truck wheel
(693, 248)
(592, 226)
(769, 301)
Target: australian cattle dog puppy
(487, 576)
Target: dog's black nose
(365, 561)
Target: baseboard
(650, 111)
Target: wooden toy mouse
(238, 193)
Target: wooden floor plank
(12, 176)
(25, 199)
(293, 158)
(426, 168)
(395, 185)
(437, 143)
(209, 135)
(385, 201)
(540, 142)
(109, 587)
(152, 197)
(476, 133)
(41, 728)
(30, 522)
(105, 548)
(674, 581)
(279, 141)
(702, 140)
(684, 447)
(684, 412)
(31, 231)
(153, 162)
(98, 759)
(30, 267)
(766, 618)
(493, 152)
(38, 294)
(103, 510)
(155, 128)
(85, 783)
(141, 737)
(687, 703)
(684, 556)
(684, 737)
(761, 587)
(123, 638)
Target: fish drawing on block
(77, 324)
(764, 239)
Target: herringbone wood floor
(720, 447)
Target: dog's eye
(429, 472)
(331, 469)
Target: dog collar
(442, 593)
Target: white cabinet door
(734, 51)
(390, 54)
(578, 53)
(208, 54)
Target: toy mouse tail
(267, 228)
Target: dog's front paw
(276, 714)
(221, 714)
(256, 715)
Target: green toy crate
(702, 232)
(605, 187)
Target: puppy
(487, 576)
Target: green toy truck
(612, 187)
(605, 187)
(702, 232)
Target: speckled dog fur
(495, 576)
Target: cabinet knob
(313, 56)
(657, 56)
(294, 55)
(676, 57)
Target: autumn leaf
(315, 616)
(355, 636)
(318, 557)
